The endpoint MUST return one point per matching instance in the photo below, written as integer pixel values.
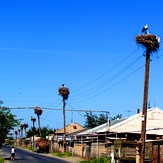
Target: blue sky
(89, 45)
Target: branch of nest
(149, 41)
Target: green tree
(7, 122)
(118, 116)
(93, 120)
(45, 131)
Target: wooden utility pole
(38, 111)
(64, 92)
(145, 102)
(151, 43)
(64, 119)
(33, 120)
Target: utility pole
(22, 126)
(16, 133)
(33, 120)
(64, 119)
(64, 92)
(25, 127)
(151, 43)
(145, 101)
(38, 111)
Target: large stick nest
(148, 41)
(25, 125)
(38, 110)
(64, 92)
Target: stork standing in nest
(145, 29)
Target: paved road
(22, 156)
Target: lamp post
(64, 92)
(33, 120)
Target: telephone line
(104, 83)
(106, 72)
(29, 108)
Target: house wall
(83, 150)
(92, 150)
(77, 150)
(99, 149)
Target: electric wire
(110, 86)
(104, 83)
(106, 72)
(74, 109)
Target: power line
(112, 85)
(104, 83)
(105, 72)
(75, 110)
(30, 108)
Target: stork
(158, 39)
(145, 29)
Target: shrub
(65, 154)
(102, 159)
(2, 160)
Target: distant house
(72, 127)
(57, 142)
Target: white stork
(158, 39)
(145, 29)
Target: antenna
(71, 116)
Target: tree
(7, 122)
(118, 116)
(45, 131)
(93, 120)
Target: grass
(2, 160)
(30, 148)
(102, 159)
(65, 154)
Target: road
(23, 156)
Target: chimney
(138, 111)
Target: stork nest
(25, 125)
(21, 125)
(148, 41)
(38, 111)
(64, 92)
